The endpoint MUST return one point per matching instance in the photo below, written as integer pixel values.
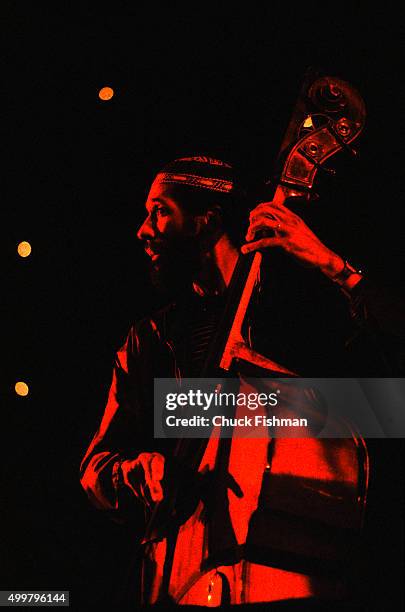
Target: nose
(146, 231)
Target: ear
(210, 220)
(213, 217)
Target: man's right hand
(143, 476)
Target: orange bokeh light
(24, 249)
(21, 388)
(106, 93)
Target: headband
(204, 172)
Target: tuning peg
(339, 131)
(313, 161)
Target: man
(190, 234)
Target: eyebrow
(157, 201)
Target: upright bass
(309, 501)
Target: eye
(162, 211)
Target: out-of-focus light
(24, 249)
(21, 388)
(106, 93)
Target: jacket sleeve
(121, 435)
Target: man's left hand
(292, 235)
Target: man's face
(171, 239)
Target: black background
(203, 79)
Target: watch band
(345, 274)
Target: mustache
(160, 245)
(156, 246)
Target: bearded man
(192, 235)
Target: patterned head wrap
(202, 172)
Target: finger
(271, 211)
(145, 496)
(263, 208)
(261, 216)
(154, 469)
(261, 224)
(157, 467)
(261, 244)
(270, 205)
(156, 491)
(146, 459)
(282, 208)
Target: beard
(178, 262)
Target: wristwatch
(343, 276)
